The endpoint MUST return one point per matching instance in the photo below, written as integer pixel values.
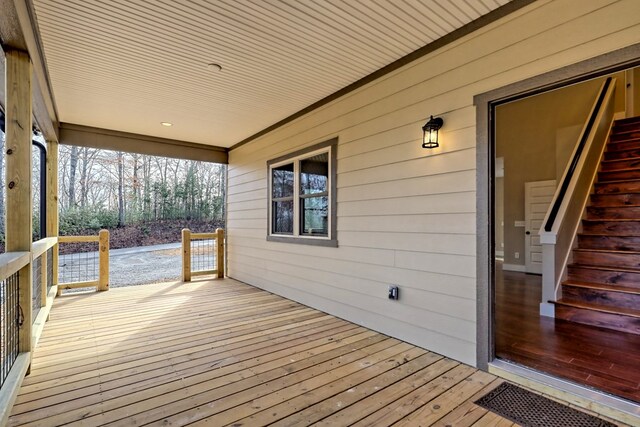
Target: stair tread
(617, 181)
(613, 207)
(602, 286)
(624, 149)
(622, 170)
(613, 148)
(608, 235)
(611, 219)
(607, 268)
(608, 251)
(628, 159)
(601, 308)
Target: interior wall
(407, 216)
(636, 91)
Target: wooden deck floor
(221, 352)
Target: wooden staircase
(603, 284)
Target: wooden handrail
(570, 171)
(42, 246)
(12, 262)
(78, 239)
(199, 236)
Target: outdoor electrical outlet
(517, 255)
(394, 292)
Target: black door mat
(532, 410)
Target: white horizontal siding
(407, 216)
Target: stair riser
(607, 259)
(594, 318)
(614, 243)
(618, 175)
(625, 144)
(624, 128)
(614, 155)
(618, 212)
(595, 296)
(625, 125)
(621, 164)
(613, 228)
(631, 280)
(603, 200)
(617, 187)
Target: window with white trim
(302, 196)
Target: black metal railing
(79, 266)
(49, 256)
(203, 254)
(36, 295)
(576, 157)
(9, 324)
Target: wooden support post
(18, 152)
(186, 255)
(220, 252)
(103, 278)
(52, 203)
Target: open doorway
(535, 140)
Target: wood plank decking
(222, 352)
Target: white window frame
(328, 147)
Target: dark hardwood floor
(595, 357)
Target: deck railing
(10, 318)
(202, 254)
(85, 269)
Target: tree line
(106, 189)
(114, 188)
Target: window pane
(282, 217)
(314, 174)
(282, 183)
(314, 215)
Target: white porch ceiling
(129, 65)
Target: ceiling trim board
(472, 26)
(86, 136)
(19, 31)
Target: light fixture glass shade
(430, 132)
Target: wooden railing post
(103, 250)
(220, 252)
(18, 152)
(52, 203)
(186, 255)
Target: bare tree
(73, 166)
(121, 211)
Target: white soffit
(129, 65)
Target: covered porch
(218, 352)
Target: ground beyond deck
(221, 352)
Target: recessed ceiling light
(167, 124)
(214, 67)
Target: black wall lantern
(430, 132)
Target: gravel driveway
(131, 266)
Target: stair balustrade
(559, 230)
